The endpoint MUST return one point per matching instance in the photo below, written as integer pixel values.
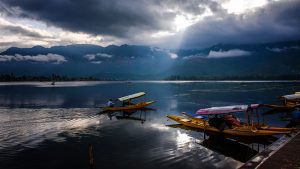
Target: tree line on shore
(235, 77)
(53, 77)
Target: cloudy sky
(162, 23)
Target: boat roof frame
(227, 109)
(132, 96)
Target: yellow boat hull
(266, 127)
(237, 131)
(259, 126)
(129, 107)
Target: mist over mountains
(132, 62)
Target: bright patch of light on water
(160, 127)
(29, 127)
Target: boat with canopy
(292, 97)
(204, 125)
(250, 128)
(291, 103)
(249, 111)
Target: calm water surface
(49, 127)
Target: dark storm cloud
(118, 18)
(278, 21)
(113, 17)
(133, 21)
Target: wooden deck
(283, 154)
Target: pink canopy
(225, 109)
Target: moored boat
(249, 113)
(202, 124)
(291, 100)
(221, 120)
(257, 125)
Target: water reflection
(230, 148)
(29, 127)
(136, 114)
(67, 122)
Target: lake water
(49, 127)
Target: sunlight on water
(80, 124)
(158, 126)
(184, 141)
(29, 127)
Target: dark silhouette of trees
(235, 77)
(53, 77)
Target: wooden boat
(129, 107)
(247, 131)
(256, 125)
(249, 112)
(291, 97)
(266, 127)
(291, 100)
(290, 103)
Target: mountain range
(133, 62)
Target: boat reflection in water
(135, 115)
(238, 148)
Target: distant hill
(144, 62)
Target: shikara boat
(249, 129)
(127, 105)
(249, 113)
(246, 131)
(291, 97)
(290, 103)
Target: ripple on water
(23, 129)
(26, 128)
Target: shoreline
(237, 81)
(131, 82)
